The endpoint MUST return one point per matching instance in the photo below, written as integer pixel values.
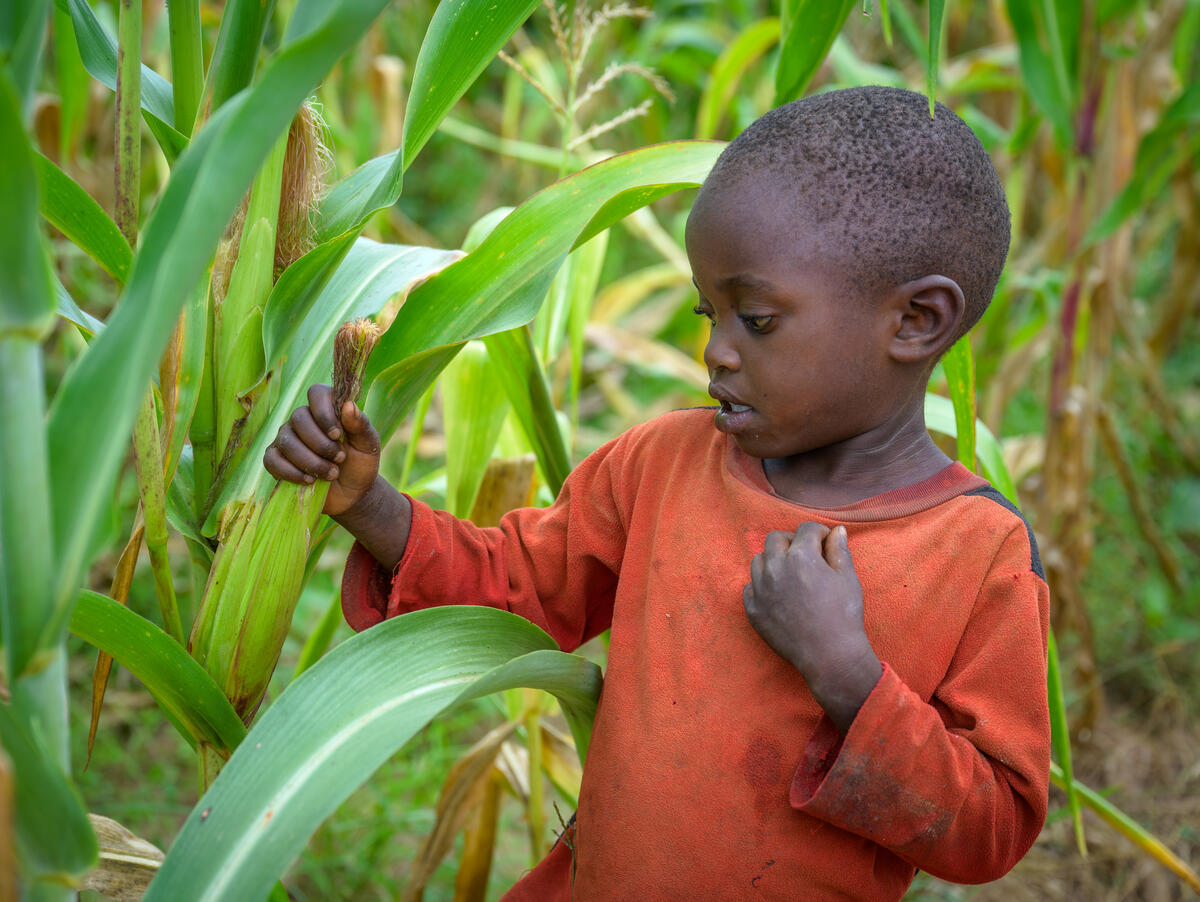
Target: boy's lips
(733, 416)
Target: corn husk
(258, 572)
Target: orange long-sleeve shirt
(713, 773)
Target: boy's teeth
(738, 408)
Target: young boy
(828, 652)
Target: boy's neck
(892, 457)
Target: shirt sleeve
(956, 786)
(555, 566)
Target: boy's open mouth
(733, 418)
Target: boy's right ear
(929, 313)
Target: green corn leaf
(27, 306)
(937, 10)
(851, 69)
(940, 417)
(195, 703)
(54, 836)
(332, 727)
(462, 39)
(1043, 66)
(187, 61)
(73, 212)
(1173, 143)
(474, 407)
(373, 186)
(520, 373)
(294, 295)
(236, 52)
(727, 72)
(98, 50)
(94, 408)
(503, 282)
(1060, 737)
(367, 279)
(959, 364)
(70, 311)
(73, 83)
(809, 27)
(22, 31)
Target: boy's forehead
(767, 212)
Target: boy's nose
(719, 354)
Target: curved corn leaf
(53, 833)
(729, 69)
(72, 312)
(809, 27)
(370, 275)
(373, 186)
(502, 283)
(94, 408)
(340, 720)
(194, 702)
(73, 212)
(1130, 829)
(461, 40)
(940, 417)
(294, 295)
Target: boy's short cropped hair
(897, 194)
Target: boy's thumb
(359, 431)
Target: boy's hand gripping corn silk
(258, 572)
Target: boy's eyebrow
(743, 280)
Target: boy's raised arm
(308, 448)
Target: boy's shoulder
(990, 502)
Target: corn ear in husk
(258, 572)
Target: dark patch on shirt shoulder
(1035, 559)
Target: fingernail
(333, 473)
(341, 455)
(335, 432)
(308, 479)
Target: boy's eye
(700, 311)
(757, 324)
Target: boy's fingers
(359, 432)
(808, 539)
(279, 467)
(777, 542)
(320, 402)
(314, 436)
(837, 549)
(300, 456)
